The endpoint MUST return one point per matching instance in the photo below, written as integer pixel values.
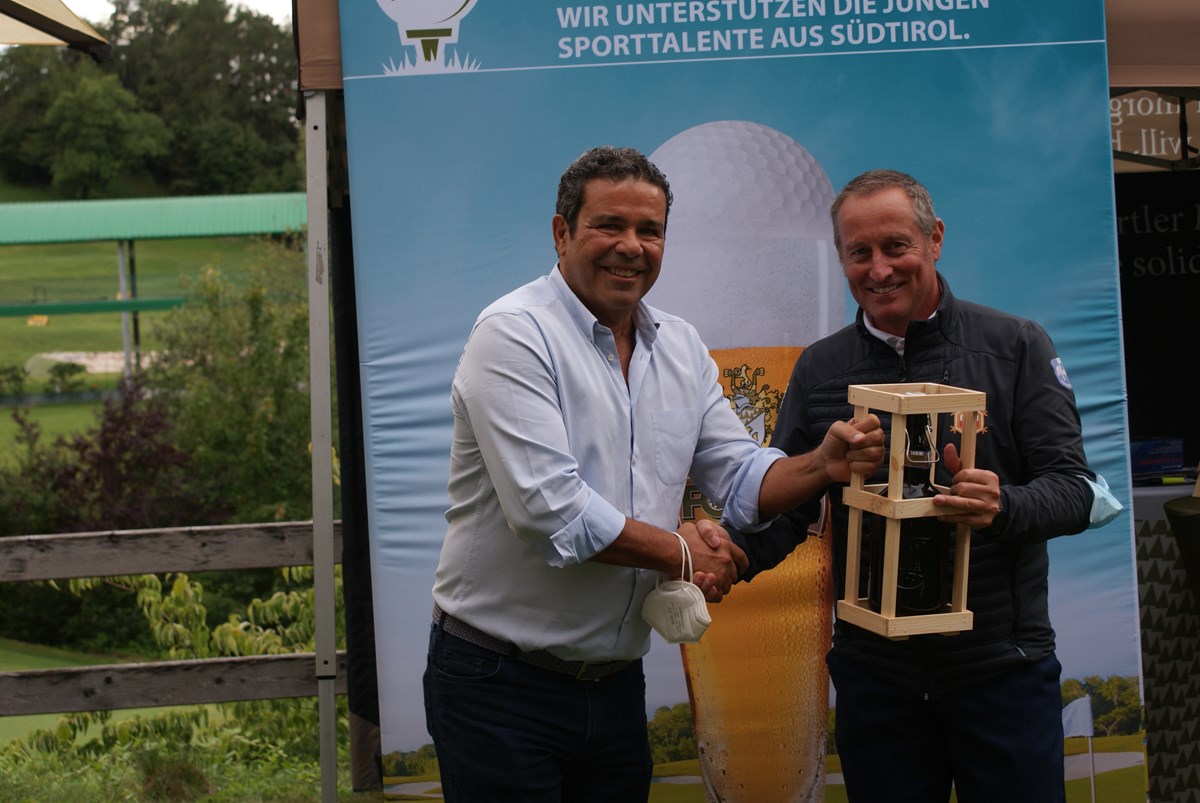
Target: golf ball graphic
(750, 259)
(427, 25)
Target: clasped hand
(716, 560)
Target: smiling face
(612, 258)
(889, 262)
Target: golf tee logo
(427, 27)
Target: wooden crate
(902, 400)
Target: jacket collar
(919, 330)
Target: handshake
(848, 447)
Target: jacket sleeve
(1044, 479)
(767, 548)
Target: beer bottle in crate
(922, 579)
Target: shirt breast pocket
(675, 434)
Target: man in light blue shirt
(580, 413)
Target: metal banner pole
(322, 436)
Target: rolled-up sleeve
(506, 391)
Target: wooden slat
(916, 397)
(162, 683)
(190, 549)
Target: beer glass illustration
(750, 262)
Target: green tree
(1072, 690)
(234, 372)
(1124, 719)
(672, 734)
(221, 81)
(65, 377)
(224, 81)
(127, 472)
(29, 500)
(100, 134)
(30, 80)
(12, 380)
(1116, 701)
(422, 761)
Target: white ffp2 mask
(677, 609)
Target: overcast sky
(99, 10)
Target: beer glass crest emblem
(756, 407)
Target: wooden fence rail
(160, 683)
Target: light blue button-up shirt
(552, 449)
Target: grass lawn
(20, 343)
(55, 420)
(16, 656)
(1118, 786)
(20, 194)
(88, 272)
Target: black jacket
(1031, 439)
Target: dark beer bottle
(922, 584)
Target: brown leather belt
(580, 670)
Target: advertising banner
(462, 114)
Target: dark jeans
(506, 731)
(999, 741)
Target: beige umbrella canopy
(49, 22)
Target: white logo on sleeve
(1060, 373)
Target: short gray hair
(874, 181)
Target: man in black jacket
(980, 710)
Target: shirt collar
(645, 318)
(895, 341)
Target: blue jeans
(506, 731)
(998, 741)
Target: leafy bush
(134, 773)
(29, 499)
(420, 762)
(672, 734)
(234, 374)
(65, 377)
(172, 775)
(124, 473)
(217, 432)
(128, 471)
(186, 754)
(12, 380)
